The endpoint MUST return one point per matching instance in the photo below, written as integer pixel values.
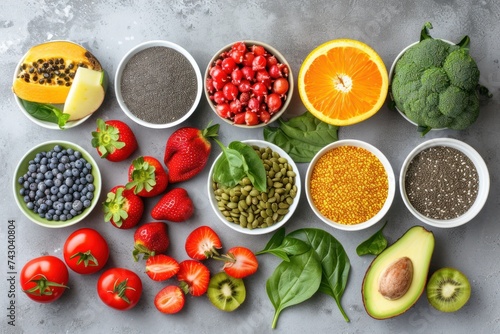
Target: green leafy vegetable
(46, 112)
(293, 249)
(293, 282)
(301, 136)
(284, 247)
(239, 160)
(334, 261)
(374, 244)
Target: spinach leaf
(301, 136)
(253, 166)
(239, 160)
(284, 247)
(45, 112)
(294, 282)
(334, 261)
(374, 244)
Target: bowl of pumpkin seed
(248, 210)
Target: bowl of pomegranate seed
(248, 84)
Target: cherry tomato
(85, 251)
(44, 279)
(119, 288)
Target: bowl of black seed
(57, 184)
(444, 182)
(158, 84)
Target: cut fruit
(86, 93)
(225, 292)
(48, 69)
(343, 82)
(448, 290)
(391, 267)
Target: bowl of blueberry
(57, 184)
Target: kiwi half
(225, 292)
(448, 290)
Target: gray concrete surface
(111, 28)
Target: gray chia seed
(159, 85)
(441, 183)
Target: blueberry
(68, 197)
(62, 217)
(57, 182)
(30, 205)
(42, 186)
(49, 175)
(77, 195)
(43, 169)
(90, 178)
(75, 172)
(63, 189)
(64, 159)
(69, 182)
(32, 168)
(86, 203)
(68, 206)
(61, 167)
(49, 216)
(57, 148)
(77, 205)
(91, 187)
(48, 182)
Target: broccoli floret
(462, 69)
(434, 84)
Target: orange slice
(343, 82)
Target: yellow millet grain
(349, 185)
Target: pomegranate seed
(258, 50)
(223, 110)
(248, 73)
(228, 65)
(273, 102)
(239, 46)
(219, 97)
(239, 118)
(280, 86)
(253, 104)
(235, 106)
(275, 72)
(259, 63)
(264, 116)
(244, 86)
(230, 91)
(237, 56)
(251, 118)
(244, 97)
(271, 60)
(248, 59)
(236, 76)
(262, 75)
(259, 89)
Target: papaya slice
(48, 70)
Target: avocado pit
(395, 281)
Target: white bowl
(390, 177)
(482, 170)
(391, 74)
(278, 56)
(47, 125)
(22, 168)
(126, 59)
(264, 230)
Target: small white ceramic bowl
(123, 64)
(390, 177)
(22, 168)
(483, 174)
(281, 59)
(256, 231)
(391, 74)
(47, 125)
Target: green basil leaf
(373, 245)
(252, 164)
(228, 169)
(301, 136)
(45, 112)
(275, 241)
(334, 261)
(294, 282)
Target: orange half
(343, 82)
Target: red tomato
(44, 278)
(119, 288)
(86, 251)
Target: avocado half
(418, 245)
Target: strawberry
(170, 299)
(202, 243)
(150, 239)
(187, 152)
(161, 267)
(175, 206)
(114, 140)
(123, 208)
(147, 177)
(239, 262)
(194, 277)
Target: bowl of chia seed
(247, 210)
(158, 84)
(444, 182)
(57, 184)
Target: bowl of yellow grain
(350, 185)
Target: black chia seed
(159, 85)
(441, 183)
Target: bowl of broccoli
(435, 84)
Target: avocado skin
(417, 244)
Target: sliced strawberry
(202, 243)
(161, 267)
(239, 262)
(194, 277)
(170, 299)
